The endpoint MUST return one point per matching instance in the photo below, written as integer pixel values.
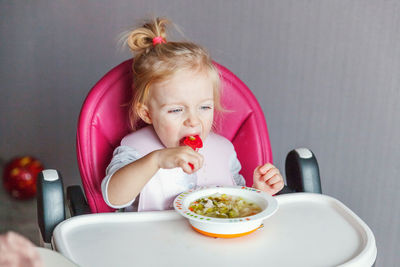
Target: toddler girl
(176, 92)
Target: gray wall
(325, 72)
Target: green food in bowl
(224, 206)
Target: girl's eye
(205, 107)
(175, 110)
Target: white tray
(307, 230)
(51, 258)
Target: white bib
(166, 184)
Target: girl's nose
(192, 120)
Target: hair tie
(158, 40)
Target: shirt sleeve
(123, 155)
(235, 167)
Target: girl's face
(180, 106)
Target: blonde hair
(159, 62)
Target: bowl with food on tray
(225, 211)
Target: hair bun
(141, 39)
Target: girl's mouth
(194, 141)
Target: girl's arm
(126, 183)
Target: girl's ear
(144, 114)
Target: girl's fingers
(257, 174)
(270, 174)
(278, 186)
(190, 163)
(185, 166)
(265, 168)
(262, 170)
(196, 161)
(274, 179)
(194, 157)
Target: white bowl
(226, 227)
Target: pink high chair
(305, 214)
(103, 122)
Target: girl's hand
(267, 178)
(181, 156)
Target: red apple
(20, 175)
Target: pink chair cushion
(103, 122)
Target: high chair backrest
(103, 122)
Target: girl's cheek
(208, 119)
(171, 127)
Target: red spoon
(194, 142)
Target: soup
(224, 206)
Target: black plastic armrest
(302, 171)
(76, 201)
(50, 202)
(285, 190)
